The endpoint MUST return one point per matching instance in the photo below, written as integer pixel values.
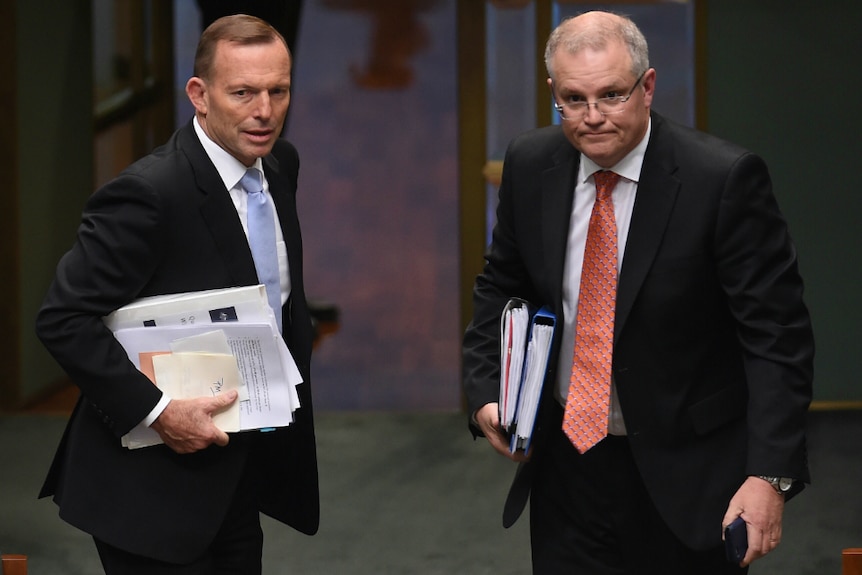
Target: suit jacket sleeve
(119, 244)
(757, 267)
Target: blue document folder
(526, 338)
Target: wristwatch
(780, 484)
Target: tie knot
(605, 182)
(251, 181)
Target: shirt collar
(229, 168)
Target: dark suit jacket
(167, 225)
(713, 345)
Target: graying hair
(596, 36)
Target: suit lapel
(657, 191)
(280, 188)
(283, 196)
(218, 212)
(558, 189)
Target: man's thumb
(226, 398)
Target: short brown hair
(238, 28)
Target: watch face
(784, 483)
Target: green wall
(54, 135)
(784, 80)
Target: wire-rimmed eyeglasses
(576, 109)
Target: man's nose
(592, 115)
(264, 105)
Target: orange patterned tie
(586, 419)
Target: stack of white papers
(514, 327)
(535, 366)
(205, 343)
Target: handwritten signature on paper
(217, 386)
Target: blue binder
(538, 341)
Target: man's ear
(196, 90)
(649, 86)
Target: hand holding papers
(526, 338)
(204, 343)
(194, 374)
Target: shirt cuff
(157, 411)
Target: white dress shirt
(585, 196)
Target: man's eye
(613, 95)
(573, 99)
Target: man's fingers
(187, 426)
(221, 438)
(500, 442)
(222, 400)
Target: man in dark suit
(703, 400)
(176, 221)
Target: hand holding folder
(526, 338)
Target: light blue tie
(261, 238)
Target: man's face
(242, 105)
(592, 74)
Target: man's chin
(602, 155)
(258, 150)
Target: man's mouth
(258, 134)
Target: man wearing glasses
(681, 365)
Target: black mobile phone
(736, 540)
